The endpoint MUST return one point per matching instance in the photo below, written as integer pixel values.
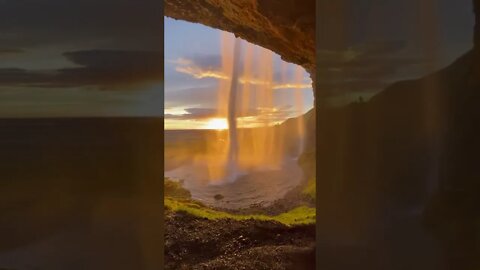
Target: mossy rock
(175, 189)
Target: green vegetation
(175, 189)
(297, 216)
(177, 199)
(311, 189)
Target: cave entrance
(246, 108)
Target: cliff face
(285, 27)
(413, 146)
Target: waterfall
(232, 163)
(247, 92)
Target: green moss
(178, 199)
(297, 216)
(311, 189)
(175, 189)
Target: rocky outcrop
(285, 27)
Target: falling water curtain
(397, 87)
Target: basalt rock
(285, 27)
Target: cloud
(193, 96)
(31, 23)
(10, 51)
(207, 61)
(202, 67)
(198, 73)
(106, 69)
(367, 67)
(111, 45)
(193, 114)
(275, 86)
(273, 115)
(254, 116)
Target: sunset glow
(198, 82)
(217, 123)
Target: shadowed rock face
(476, 4)
(285, 27)
(404, 165)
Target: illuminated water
(249, 91)
(246, 166)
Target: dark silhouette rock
(218, 197)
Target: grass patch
(178, 199)
(174, 189)
(311, 189)
(297, 216)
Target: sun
(217, 123)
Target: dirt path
(198, 243)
